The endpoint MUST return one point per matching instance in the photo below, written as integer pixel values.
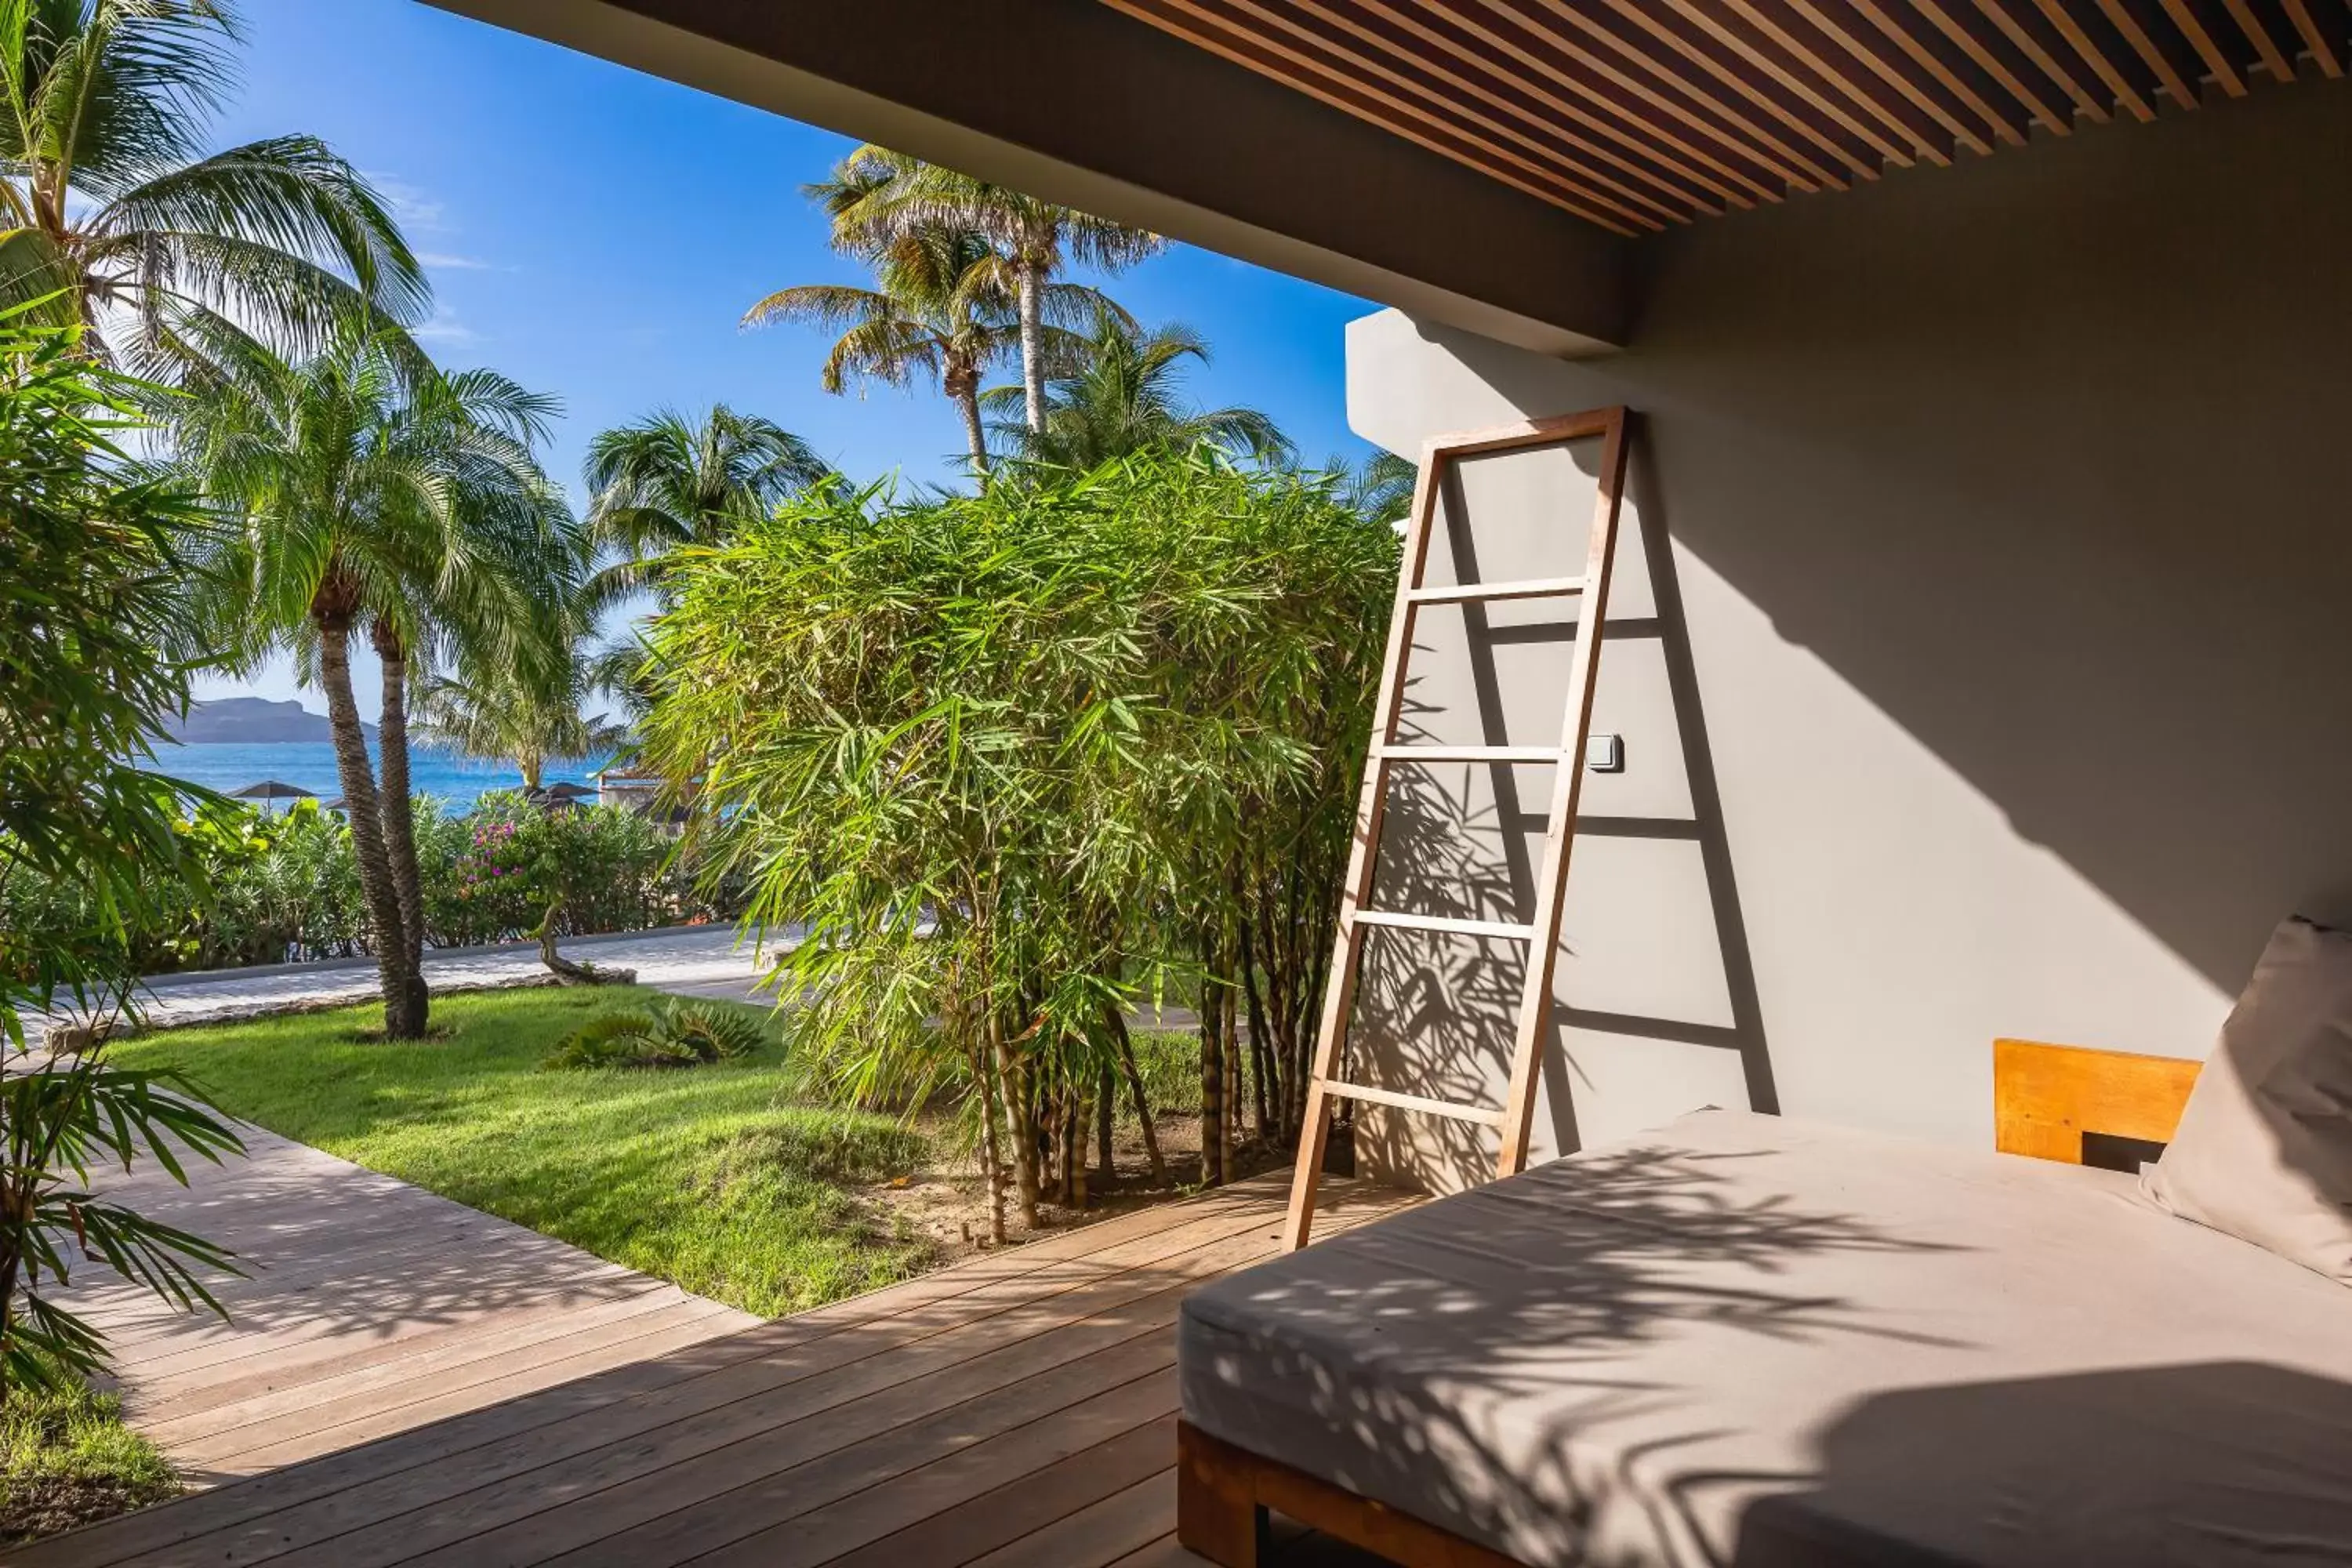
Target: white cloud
(416, 209)
(443, 262)
(445, 328)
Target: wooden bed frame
(2045, 1101)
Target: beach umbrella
(273, 789)
(338, 803)
(269, 790)
(568, 791)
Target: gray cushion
(1744, 1340)
(2264, 1150)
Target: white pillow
(2265, 1146)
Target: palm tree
(1380, 490)
(876, 195)
(364, 496)
(113, 207)
(663, 482)
(1124, 397)
(504, 597)
(492, 716)
(935, 313)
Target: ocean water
(456, 782)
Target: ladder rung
(1401, 920)
(1402, 754)
(1524, 588)
(1411, 1102)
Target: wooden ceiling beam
(2274, 61)
(1797, 168)
(2043, 61)
(2071, 29)
(1198, 28)
(1678, 203)
(1887, 71)
(1869, 103)
(1973, 46)
(2153, 58)
(1632, 115)
(1797, 126)
(1933, 63)
(2313, 38)
(1614, 111)
(1729, 38)
(2207, 51)
(1678, 113)
(1548, 128)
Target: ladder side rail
(1363, 860)
(1363, 852)
(1560, 828)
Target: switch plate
(1604, 753)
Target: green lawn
(66, 1459)
(708, 1177)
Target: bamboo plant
(1013, 761)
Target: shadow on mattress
(1739, 1343)
(2222, 1462)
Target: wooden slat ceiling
(1636, 114)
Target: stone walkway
(689, 960)
(372, 1308)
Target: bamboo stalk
(1143, 1108)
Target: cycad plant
(674, 1034)
(366, 496)
(117, 213)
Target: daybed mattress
(1753, 1341)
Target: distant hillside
(252, 722)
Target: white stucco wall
(2006, 511)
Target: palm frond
(291, 194)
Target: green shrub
(1009, 762)
(286, 887)
(605, 869)
(662, 1034)
(1169, 1061)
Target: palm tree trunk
(357, 781)
(399, 810)
(975, 435)
(1033, 343)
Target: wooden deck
(372, 1307)
(1018, 1408)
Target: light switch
(1604, 753)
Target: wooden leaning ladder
(1542, 934)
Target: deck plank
(369, 1306)
(356, 1481)
(1013, 1520)
(1016, 1408)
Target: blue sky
(597, 234)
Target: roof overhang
(1075, 102)
(1637, 115)
(1512, 167)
